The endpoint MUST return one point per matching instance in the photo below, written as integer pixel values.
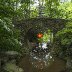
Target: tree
(51, 8)
(9, 36)
(65, 37)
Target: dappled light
(35, 35)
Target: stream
(41, 62)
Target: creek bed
(39, 63)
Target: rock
(12, 53)
(12, 67)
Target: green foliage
(65, 38)
(24, 9)
(58, 10)
(7, 8)
(46, 36)
(66, 34)
(8, 36)
(51, 7)
(33, 13)
(65, 10)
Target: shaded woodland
(22, 20)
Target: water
(41, 62)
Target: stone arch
(53, 24)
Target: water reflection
(41, 60)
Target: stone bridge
(43, 23)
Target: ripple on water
(41, 61)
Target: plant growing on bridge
(46, 37)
